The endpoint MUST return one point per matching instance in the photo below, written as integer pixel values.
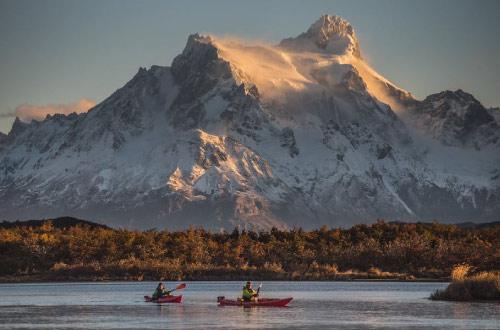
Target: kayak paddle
(179, 287)
(258, 292)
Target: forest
(378, 251)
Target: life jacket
(160, 293)
(248, 293)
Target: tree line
(379, 250)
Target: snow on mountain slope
(327, 55)
(301, 133)
(332, 40)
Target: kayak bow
(261, 302)
(168, 299)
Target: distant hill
(463, 225)
(61, 222)
(67, 222)
(470, 225)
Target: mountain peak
(327, 27)
(456, 118)
(18, 127)
(199, 59)
(459, 103)
(329, 34)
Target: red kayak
(261, 302)
(168, 299)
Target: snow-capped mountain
(301, 133)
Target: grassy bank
(481, 286)
(141, 272)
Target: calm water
(317, 305)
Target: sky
(64, 55)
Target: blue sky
(58, 52)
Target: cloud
(28, 112)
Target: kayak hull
(262, 302)
(169, 299)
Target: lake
(316, 305)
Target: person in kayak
(249, 294)
(161, 292)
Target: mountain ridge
(253, 135)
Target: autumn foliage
(372, 251)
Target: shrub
(482, 286)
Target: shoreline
(105, 279)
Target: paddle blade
(260, 285)
(181, 286)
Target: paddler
(161, 292)
(249, 294)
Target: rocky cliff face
(301, 133)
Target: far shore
(41, 278)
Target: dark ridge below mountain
(471, 225)
(462, 225)
(68, 222)
(61, 223)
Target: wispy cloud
(28, 112)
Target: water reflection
(249, 313)
(460, 309)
